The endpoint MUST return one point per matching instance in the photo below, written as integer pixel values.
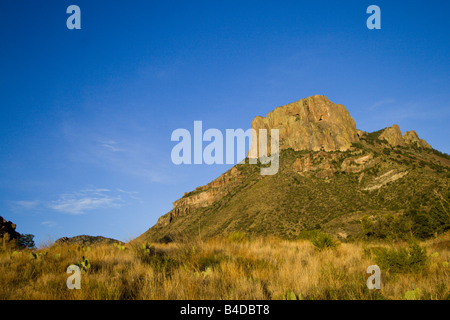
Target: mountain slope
(371, 174)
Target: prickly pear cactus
(84, 265)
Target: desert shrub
(411, 259)
(426, 224)
(209, 261)
(248, 265)
(236, 237)
(159, 260)
(387, 227)
(323, 241)
(358, 145)
(373, 137)
(367, 226)
(308, 234)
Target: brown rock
(393, 136)
(360, 133)
(411, 137)
(312, 123)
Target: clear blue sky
(86, 115)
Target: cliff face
(313, 123)
(202, 196)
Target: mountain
(331, 176)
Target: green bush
(236, 237)
(411, 259)
(426, 224)
(386, 227)
(323, 241)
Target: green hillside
(396, 191)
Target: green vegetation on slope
(404, 191)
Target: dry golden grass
(262, 268)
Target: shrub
(386, 227)
(323, 241)
(436, 220)
(367, 226)
(236, 237)
(411, 259)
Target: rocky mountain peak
(313, 123)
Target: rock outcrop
(84, 240)
(313, 123)
(8, 232)
(394, 137)
(202, 196)
(411, 138)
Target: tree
(367, 226)
(26, 241)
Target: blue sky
(86, 115)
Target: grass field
(232, 267)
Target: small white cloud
(50, 224)
(81, 202)
(25, 204)
(111, 145)
(86, 200)
(131, 194)
(382, 102)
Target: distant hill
(331, 177)
(84, 240)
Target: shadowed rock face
(313, 123)
(7, 232)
